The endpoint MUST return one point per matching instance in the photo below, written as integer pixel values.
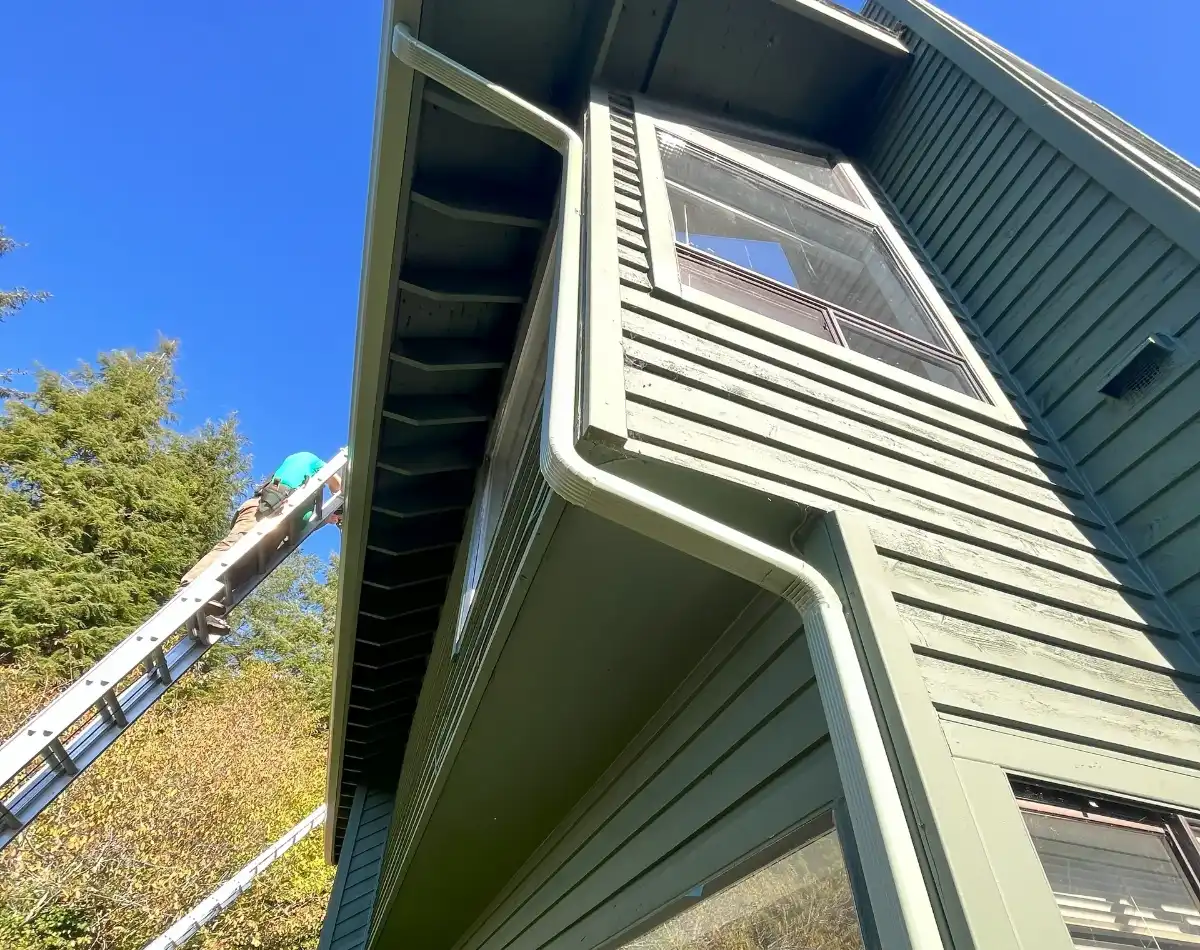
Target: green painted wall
(738, 755)
(1065, 256)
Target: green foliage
(102, 506)
(288, 622)
(10, 302)
(202, 783)
(53, 928)
(13, 300)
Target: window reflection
(747, 222)
(800, 902)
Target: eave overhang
(458, 206)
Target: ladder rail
(230, 890)
(40, 761)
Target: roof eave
(389, 178)
(826, 14)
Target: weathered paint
(996, 542)
(1006, 594)
(1062, 276)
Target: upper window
(1124, 877)
(804, 247)
(801, 900)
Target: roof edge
(850, 23)
(1153, 192)
(389, 178)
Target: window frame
(831, 818)
(990, 401)
(1179, 830)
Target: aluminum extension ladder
(70, 733)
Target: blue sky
(200, 171)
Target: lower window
(798, 901)
(1123, 876)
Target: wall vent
(1140, 367)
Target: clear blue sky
(200, 171)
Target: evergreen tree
(10, 302)
(13, 300)
(102, 506)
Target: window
(785, 234)
(1123, 876)
(801, 900)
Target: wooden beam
(427, 500)
(384, 636)
(410, 535)
(452, 102)
(462, 286)
(466, 201)
(447, 354)
(428, 459)
(437, 410)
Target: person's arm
(334, 483)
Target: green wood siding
(1020, 602)
(738, 755)
(348, 918)
(1060, 275)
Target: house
(773, 507)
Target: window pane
(800, 902)
(1116, 887)
(814, 169)
(711, 278)
(943, 372)
(734, 215)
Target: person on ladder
(266, 501)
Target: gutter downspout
(900, 902)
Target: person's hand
(336, 519)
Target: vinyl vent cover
(1140, 367)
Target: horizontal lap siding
(1063, 280)
(1017, 596)
(349, 913)
(738, 755)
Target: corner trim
(972, 905)
(604, 377)
(1012, 857)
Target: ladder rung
(59, 759)
(110, 706)
(157, 663)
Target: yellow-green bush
(202, 783)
